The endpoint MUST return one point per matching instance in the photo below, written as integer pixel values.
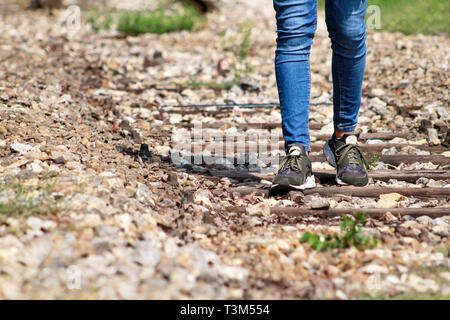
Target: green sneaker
(345, 155)
(295, 171)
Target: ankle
(339, 134)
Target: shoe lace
(291, 162)
(353, 154)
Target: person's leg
(296, 24)
(347, 31)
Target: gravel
(122, 222)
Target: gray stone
(320, 203)
(143, 193)
(147, 254)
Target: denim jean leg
(296, 23)
(347, 30)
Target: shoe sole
(309, 184)
(329, 155)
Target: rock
(188, 197)
(390, 217)
(250, 85)
(61, 157)
(101, 246)
(378, 106)
(442, 221)
(394, 196)
(233, 273)
(443, 231)
(36, 223)
(3, 130)
(143, 193)
(436, 183)
(422, 181)
(433, 138)
(260, 209)
(425, 220)
(172, 179)
(378, 92)
(208, 218)
(175, 118)
(389, 151)
(59, 160)
(422, 285)
(21, 148)
(387, 203)
(35, 167)
(320, 203)
(91, 220)
(74, 165)
(92, 203)
(327, 129)
(34, 154)
(114, 182)
(123, 221)
(445, 275)
(296, 196)
(390, 200)
(374, 268)
(162, 150)
(411, 224)
(105, 230)
(202, 197)
(182, 280)
(224, 66)
(147, 253)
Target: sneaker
(295, 171)
(345, 155)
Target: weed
(227, 85)
(23, 197)
(373, 161)
(100, 20)
(352, 237)
(241, 68)
(159, 21)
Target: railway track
(371, 192)
(254, 137)
(327, 176)
(394, 160)
(370, 212)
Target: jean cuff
(345, 129)
(288, 145)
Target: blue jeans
(296, 25)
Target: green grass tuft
(211, 85)
(158, 21)
(21, 197)
(352, 236)
(413, 16)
